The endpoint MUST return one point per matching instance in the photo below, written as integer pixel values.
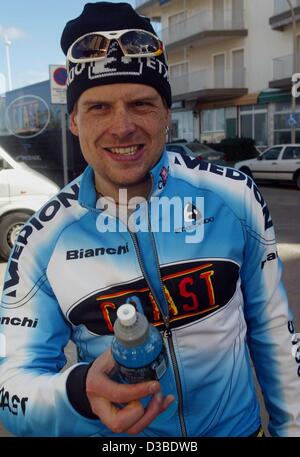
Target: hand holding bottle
(140, 354)
(104, 394)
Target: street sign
(58, 84)
(292, 119)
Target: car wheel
(10, 227)
(297, 180)
(247, 171)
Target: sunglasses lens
(133, 42)
(138, 42)
(90, 46)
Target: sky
(34, 29)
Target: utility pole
(7, 46)
(294, 32)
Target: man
(210, 282)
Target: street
(284, 205)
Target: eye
(142, 104)
(98, 107)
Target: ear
(73, 123)
(168, 118)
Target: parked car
(236, 149)
(280, 162)
(22, 192)
(198, 150)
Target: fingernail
(170, 399)
(153, 388)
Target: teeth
(127, 151)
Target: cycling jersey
(218, 300)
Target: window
(220, 119)
(291, 153)
(174, 148)
(185, 125)
(218, 14)
(4, 165)
(207, 121)
(174, 129)
(260, 128)
(219, 71)
(238, 68)
(176, 28)
(271, 154)
(281, 5)
(246, 126)
(253, 123)
(282, 130)
(213, 120)
(237, 14)
(280, 122)
(29, 113)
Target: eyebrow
(147, 98)
(93, 102)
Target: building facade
(231, 63)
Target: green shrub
(236, 148)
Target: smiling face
(121, 129)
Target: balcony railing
(139, 3)
(203, 21)
(280, 6)
(205, 79)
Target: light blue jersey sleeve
(33, 334)
(271, 334)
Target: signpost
(58, 87)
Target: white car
(277, 163)
(22, 192)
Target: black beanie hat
(115, 68)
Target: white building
(231, 63)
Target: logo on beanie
(116, 64)
(75, 71)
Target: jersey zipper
(168, 337)
(168, 332)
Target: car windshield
(196, 147)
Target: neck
(141, 189)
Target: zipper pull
(167, 333)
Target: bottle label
(153, 371)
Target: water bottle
(140, 354)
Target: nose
(122, 123)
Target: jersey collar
(87, 193)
